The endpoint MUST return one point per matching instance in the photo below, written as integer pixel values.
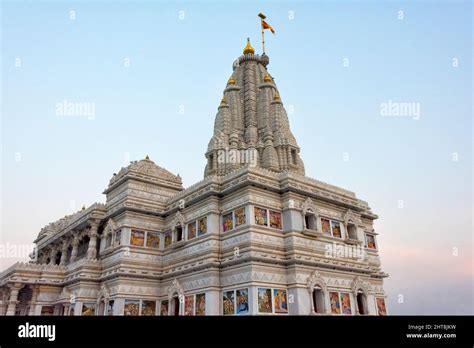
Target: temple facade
(254, 237)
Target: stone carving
(308, 206)
(175, 288)
(315, 279)
(351, 217)
(103, 294)
(178, 220)
(358, 284)
(148, 168)
(110, 227)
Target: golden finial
(267, 78)
(276, 96)
(147, 157)
(223, 100)
(231, 81)
(249, 49)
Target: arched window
(103, 300)
(310, 220)
(108, 240)
(117, 238)
(351, 222)
(294, 157)
(68, 253)
(318, 293)
(57, 258)
(179, 233)
(360, 291)
(175, 294)
(101, 310)
(211, 161)
(361, 303)
(352, 231)
(110, 308)
(82, 248)
(177, 226)
(318, 300)
(175, 305)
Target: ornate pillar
(3, 307)
(44, 256)
(40, 257)
(75, 245)
(92, 250)
(64, 253)
(52, 255)
(102, 240)
(59, 310)
(34, 297)
(14, 290)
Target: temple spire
(251, 122)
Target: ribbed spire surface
(251, 126)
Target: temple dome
(251, 117)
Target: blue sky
(52, 165)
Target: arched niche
(175, 298)
(351, 225)
(318, 294)
(360, 291)
(311, 218)
(177, 227)
(103, 297)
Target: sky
(154, 73)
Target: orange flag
(265, 25)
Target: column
(299, 301)
(64, 253)
(34, 297)
(58, 310)
(14, 290)
(212, 302)
(3, 307)
(52, 255)
(92, 250)
(75, 245)
(43, 257)
(102, 240)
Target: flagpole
(262, 17)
